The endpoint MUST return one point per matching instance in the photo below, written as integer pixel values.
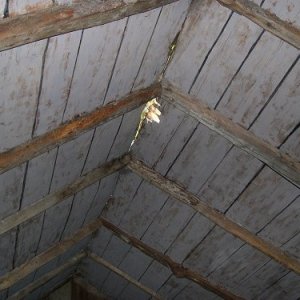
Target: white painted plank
(2, 8)
(101, 144)
(134, 45)
(257, 79)
(191, 235)
(229, 179)
(209, 18)
(21, 71)
(95, 62)
(169, 24)
(199, 158)
(57, 74)
(282, 114)
(224, 60)
(17, 7)
(267, 195)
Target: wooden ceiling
(207, 203)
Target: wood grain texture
(16, 7)
(61, 19)
(18, 273)
(218, 218)
(274, 158)
(108, 265)
(177, 269)
(70, 130)
(54, 198)
(265, 19)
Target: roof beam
(265, 19)
(179, 193)
(101, 261)
(77, 126)
(38, 261)
(277, 160)
(177, 269)
(59, 19)
(48, 276)
(52, 199)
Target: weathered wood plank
(218, 218)
(265, 19)
(54, 198)
(72, 129)
(108, 265)
(177, 269)
(18, 273)
(41, 281)
(274, 158)
(19, 87)
(16, 7)
(93, 69)
(192, 48)
(62, 19)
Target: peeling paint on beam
(50, 200)
(77, 126)
(265, 19)
(59, 19)
(48, 276)
(276, 159)
(177, 269)
(180, 194)
(38, 261)
(116, 270)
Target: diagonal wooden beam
(277, 160)
(38, 261)
(77, 126)
(101, 261)
(47, 277)
(177, 269)
(59, 19)
(265, 19)
(52, 199)
(179, 193)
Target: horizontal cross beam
(179, 193)
(59, 19)
(265, 19)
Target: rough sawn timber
(276, 159)
(40, 260)
(77, 126)
(177, 269)
(57, 197)
(179, 193)
(116, 270)
(265, 19)
(61, 19)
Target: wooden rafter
(48, 276)
(72, 129)
(276, 159)
(116, 270)
(52, 199)
(59, 19)
(265, 19)
(177, 269)
(179, 193)
(38, 261)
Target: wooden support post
(177, 192)
(74, 128)
(50, 200)
(177, 269)
(38, 261)
(265, 19)
(59, 19)
(108, 265)
(44, 279)
(277, 160)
